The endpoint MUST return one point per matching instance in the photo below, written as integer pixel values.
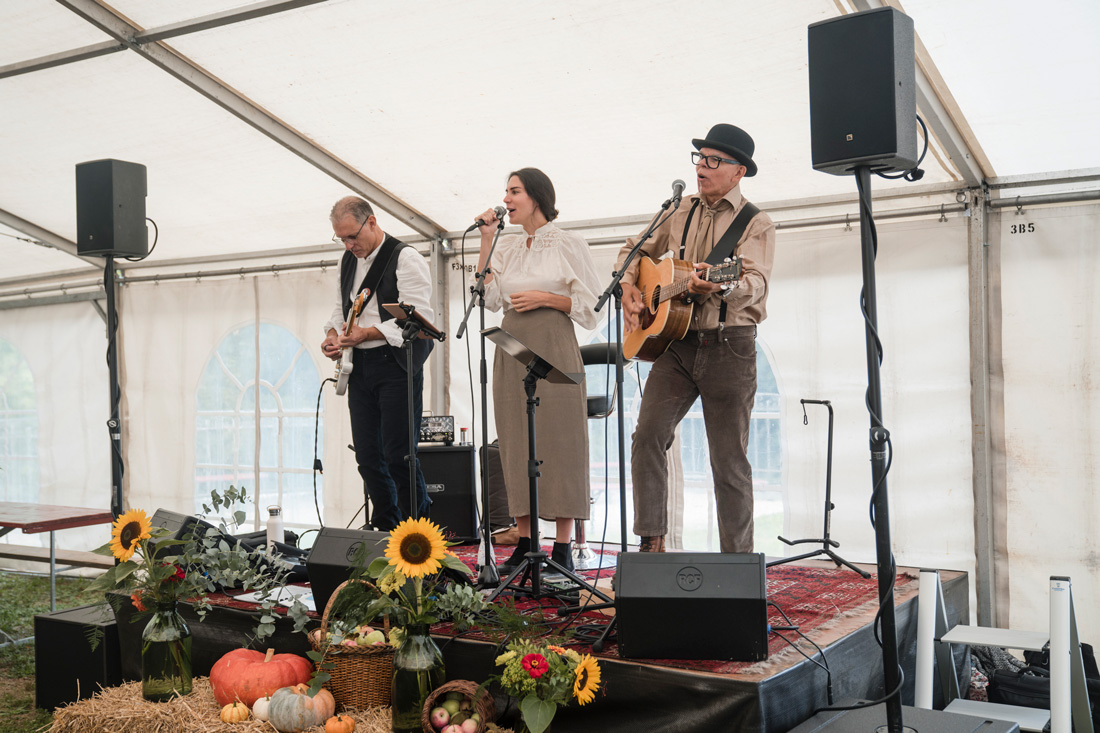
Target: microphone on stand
(678, 187)
(500, 211)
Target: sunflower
(128, 530)
(416, 547)
(587, 680)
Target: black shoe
(523, 546)
(562, 555)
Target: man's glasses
(711, 161)
(353, 237)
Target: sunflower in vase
(151, 568)
(542, 677)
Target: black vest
(385, 292)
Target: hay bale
(123, 708)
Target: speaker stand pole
(114, 422)
(878, 443)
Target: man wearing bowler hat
(716, 360)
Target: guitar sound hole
(655, 299)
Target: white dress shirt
(414, 286)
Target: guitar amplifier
(437, 429)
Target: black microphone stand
(487, 574)
(615, 289)
(413, 327)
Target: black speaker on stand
(110, 222)
(449, 474)
(862, 120)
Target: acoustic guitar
(666, 311)
(343, 364)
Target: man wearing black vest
(390, 271)
(716, 360)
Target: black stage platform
(768, 697)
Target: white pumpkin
(259, 708)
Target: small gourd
(259, 708)
(292, 709)
(339, 724)
(234, 712)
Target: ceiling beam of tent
(43, 237)
(206, 22)
(942, 113)
(167, 59)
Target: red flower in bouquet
(536, 665)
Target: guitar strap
(380, 265)
(727, 245)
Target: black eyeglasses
(352, 238)
(711, 161)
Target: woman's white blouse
(558, 262)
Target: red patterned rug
(815, 599)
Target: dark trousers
(720, 367)
(379, 407)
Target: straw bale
(122, 708)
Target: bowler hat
(732, 140)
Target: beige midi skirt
(561, 418)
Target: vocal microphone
(678, 187)
(500, 211)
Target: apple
(374, 638)
(439, 718)
(451, 706)
(469, 726)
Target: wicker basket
(361, 676)
(483, 706)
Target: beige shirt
(746, 304)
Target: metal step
(1031, 719)
(1007, 638)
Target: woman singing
(544, 279)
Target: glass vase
(417, 670)
(165, 655)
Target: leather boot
(652, 544)
(523, 546)
(562, 556)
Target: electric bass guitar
(666, 310)
(343, 364)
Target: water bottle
(274, 527)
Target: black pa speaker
(449, 474)
(715, 600)
(66, 668)
(332, 555)
(863, 92)
(110, 209)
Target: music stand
(414, 326)
(533, 562)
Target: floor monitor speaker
(333, 553)
(721, 593)
(110, 209)
(449, 474)
(863, 92)
(66, 668)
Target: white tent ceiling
(435, 101)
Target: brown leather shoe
(652, 544)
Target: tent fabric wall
(170, 331)
(1051, 340)
(65, 349)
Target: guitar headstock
(728, 271)
(357, 306)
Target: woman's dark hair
(540, 189)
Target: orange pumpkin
(234, 712)
(292, 709)
(247, 675)
(339, 724)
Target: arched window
(700, 529)
(229, 449)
